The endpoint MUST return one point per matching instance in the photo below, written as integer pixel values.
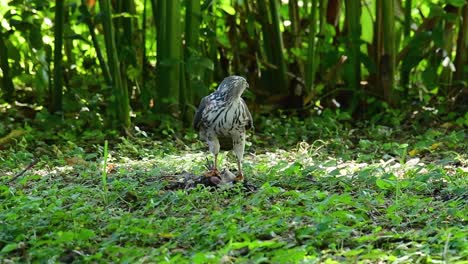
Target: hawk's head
(232, 87)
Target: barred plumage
(224, 114)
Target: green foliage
(297, 53)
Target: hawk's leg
(213, 144)
(238, 142)
(214, 170)
(240, 175)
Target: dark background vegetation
(96, 64)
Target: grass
(325, 193)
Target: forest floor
(316, 191)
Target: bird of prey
(223, 116)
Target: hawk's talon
(212, 173)
(239, 177)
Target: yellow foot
(212, 173)
(239, 177)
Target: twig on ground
(33, 162)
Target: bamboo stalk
(278, 45)
(212, 52)
(7, 82)
(310, 63)
(192, 34)
(461, 57)
(102, 63)
(353, 14)
(408, 19)
(144, 76)
(186, 114)
(169, 55)
(68, 47)
(445, 77)
(387, 66)
(405, 74)
(265, 20)
(296, 64)
(121, 95)
(56, 102)
(253, 44)
(161, 27)
(329, 12)
(154, 11)
(273, 46)
(293, 9)
(233, 36)
(126, 40)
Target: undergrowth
(324, 192)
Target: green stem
(104, 171)
(7, 83)
(387, 63)
(169, 56)
(461, 56)
(56, 104)
(273, 46)
(102, 63)
(405, 74)
(121, 94)
(353, 15)
(310, 63)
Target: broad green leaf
(457, 3)
(228, 9)
(85, 234)
(367, 26)
(384, 184)
(9, 247)
(64, 237)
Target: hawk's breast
(226, 117)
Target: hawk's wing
(197, 119)
(249, 116)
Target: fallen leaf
(75, 161)
(111, 168)
(166, 235)
(413, 152)
(435, 146)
